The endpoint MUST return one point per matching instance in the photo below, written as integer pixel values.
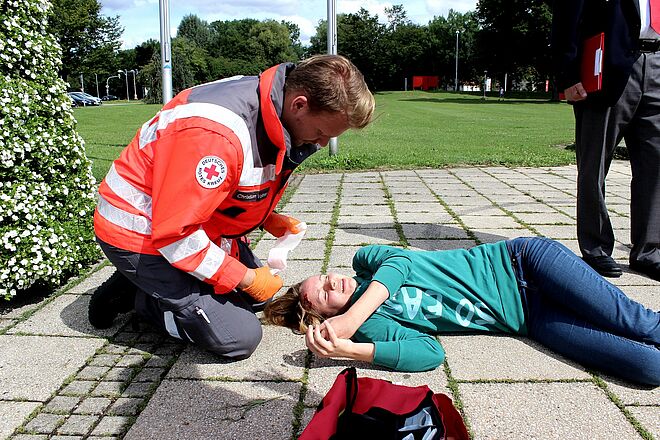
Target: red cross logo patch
(211, 172)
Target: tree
(195, 30)
(514, 38)
(46, 184)
(89, 40)
(442, 34)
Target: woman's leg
(549, 269)
(578, 340)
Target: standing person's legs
(598, 130)
(643, 142)
(548, 269)
(186, 308)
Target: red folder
(591, 69)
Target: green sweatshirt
(432, 292)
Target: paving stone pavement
(61, 378)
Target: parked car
(84, 99)
(73, 101)
(92, 97)
(109, 98)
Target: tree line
(500, 39)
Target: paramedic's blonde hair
(290, 311)
(333, 84)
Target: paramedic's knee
(238, 346)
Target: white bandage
(285, 244)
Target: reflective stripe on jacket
(208, 168)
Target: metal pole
(96, 77)
(165, 49)
(134, 88)
(332, 50)
(456, 74)
(128, 94)
(82, 84)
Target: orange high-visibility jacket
(208, 168)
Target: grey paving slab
(366, 209)
(311, 217)
(317, 231)
(485, 357)
(316, 206)
(280, 356)
(92, 282)
(493, 235)
(342, 256)
(647, 295)
(477, 210)
(435, 207)
(13, 414)
(6, 323)
(649, 417)
(366, 236)
(212, 410)
(531, 208)
(112, 425)
(66, 316)
(34, 367)
(544, 218)
(432, 232)
(365, 221)
(440, 245)
(542, 411)
(432, 218)
(323, 373)
(633, 394)
(299, 271)
(490, 222)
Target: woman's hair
(333, 84)
(290, 311)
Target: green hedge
(46, 185)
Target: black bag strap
(351, 388)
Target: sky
(141, 18)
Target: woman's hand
(333, 346)
(326, 344)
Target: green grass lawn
(411, 130)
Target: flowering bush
(46, 183)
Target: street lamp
(125, 72)
(456, 74)
(107, 87)
(134, 72)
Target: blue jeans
(575, 312)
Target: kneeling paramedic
(176, 206)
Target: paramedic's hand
(278, 224)
(264, 285)
(575, 93)
(332, 346)
(343, 325)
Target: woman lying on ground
(532, 287)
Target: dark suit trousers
(635, 118)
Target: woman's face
(328, 294)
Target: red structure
(425, 82)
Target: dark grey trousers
(599, 129)
(186, 308)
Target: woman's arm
(388, 269)
(346, 325)
(383, 342)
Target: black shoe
(604, 265)
(114, 296)
(650, 269)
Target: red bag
(375, 408)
